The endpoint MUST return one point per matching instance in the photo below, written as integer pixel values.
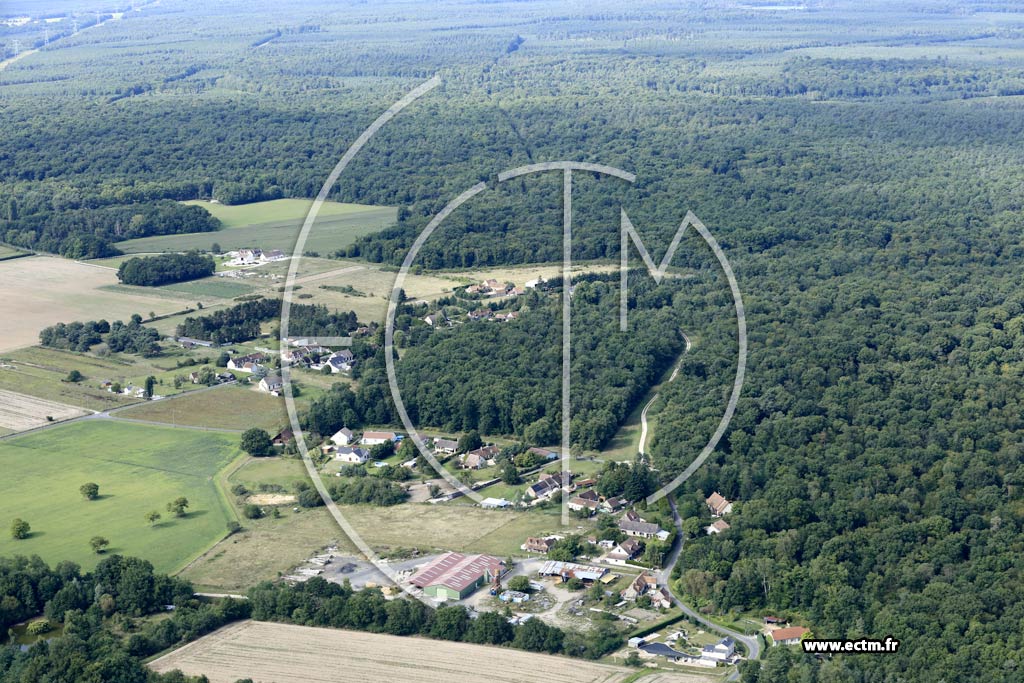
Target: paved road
(751, 643)
(643, 413)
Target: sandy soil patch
(271, 499)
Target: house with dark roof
(446, 446)
(539, 545)
(549, 484)
(639, 529)
(624, 552)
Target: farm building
(569, 570)
(454, 576)
(495, 503)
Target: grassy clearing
(267, 547)
(255, 649)
(226, 407)
(211, 287)
(7, 252)
(139, 468)
(38, 291)
(274, 225)
(449, 527)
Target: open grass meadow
(266, 547)
(139, 468)
(274, 225)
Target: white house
(720, 651)
(374, 438)
(271, 384)
(356, 456)
(342, 437)
(247, 363)
(787, 636)
(716, 527)
(495, 503)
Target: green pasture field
(274, 225)
(225, 407)
(139, 468)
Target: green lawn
(139, 468)
(216, 287)
(274, 225)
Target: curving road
(643, 413)
(751, 643)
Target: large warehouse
(454, 576)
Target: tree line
(130, 337)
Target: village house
(639, 529)
(445, 446)
(271, 384)
(716, 527)
(588, 500)
(639, 586)
(549, 484)
(283, 437)
(624, 552)
(718, 505)
(613, 504)
(787, 636)
(538, 545)
(272, 255)
(247, 363)
(482, 314)
(544, 453)
(505, 317)
(480, 458)
(356, 456)
(374, 438)
(342, 437)
(247, 257)
(661, 598)
(721, 651)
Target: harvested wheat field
(282, 653)
(19, 412)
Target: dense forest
(162, 269)
(75, 227)
(120, 590)
(859, 162)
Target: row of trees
(319, 603)
(130, 337)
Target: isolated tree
(177, 506)
(150, 383)
(215, 248)
(153, 517)
(256, 441)
(222, 359)
(98, 544)
(509, 473)
(252, 511)
(20, 529)
(470, 441)
(519, 583)
(89, 491)
(74, 376)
